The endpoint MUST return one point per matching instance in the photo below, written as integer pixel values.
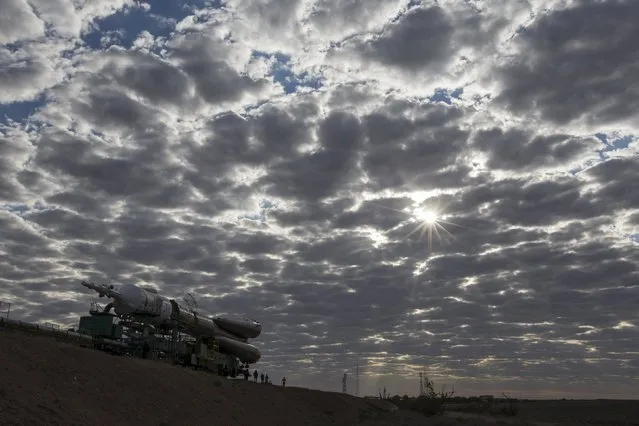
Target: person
(246, 374)
(266, 379)
(255, 376)
(145, 350)
(262, 378)
(283, 381)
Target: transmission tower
(344, 383)
(5, 309)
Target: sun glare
(430, 220)
(427, 216)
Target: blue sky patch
(18, 209)
(446, 95)
(120, 28)
(283, 74)
(264, 207)
(128, 23)
(613, 143)
(20, 111)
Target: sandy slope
(44, 381)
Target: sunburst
(426, 216)
(431, 220)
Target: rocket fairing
(129, 299)
(150, 307)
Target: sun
(426, 216)
(423, 219)
(430, 221)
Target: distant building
(486, 397)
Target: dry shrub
(428, 406)
(433, 402)
(508, 408)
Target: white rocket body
(137, 301)
(150, 307)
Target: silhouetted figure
(262, 378)
(255, 376)
(225, 371)
(266, 379)
(145, 350)
(246, 374)
(283, 381)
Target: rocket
(147, 306)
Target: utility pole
(357, 378)
(344, 383)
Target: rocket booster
(147, 305)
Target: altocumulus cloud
(280, 159)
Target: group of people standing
(264, 379)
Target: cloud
(26, 71)
(319, 174)
(204, 61)
(148, 75)
(519, 202)
(425, 157)
(423, 47)
(339, 19)
(402, 44)
(68, 19)
(517, 150)
(36, 40)
(565, 71)
(15, 149)
(19, 21)
(615, 176)
(276, 159)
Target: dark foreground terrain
(47, 382)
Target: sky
(438, 186)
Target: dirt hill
(48, 382)
(44, 381)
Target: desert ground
(48, 382)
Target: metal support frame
(4, 312)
